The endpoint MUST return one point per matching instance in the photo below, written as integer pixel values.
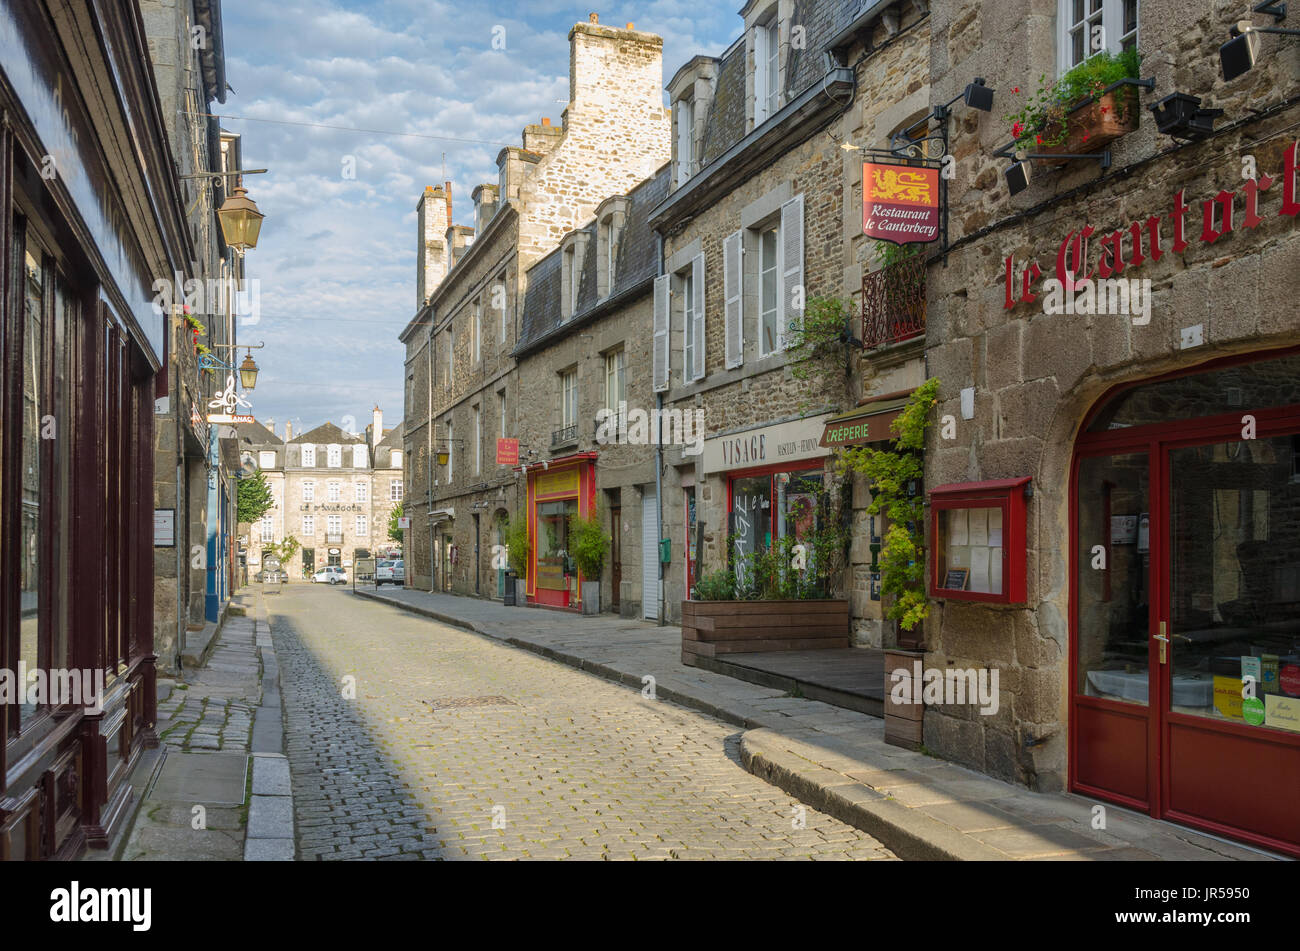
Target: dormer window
(684, 140)
(309, 456)
(335, 456)
(765, 65)
(572, 252)
(610, 218)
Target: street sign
(404, 521)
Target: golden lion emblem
(900, 186)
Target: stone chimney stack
(288, 430)
(485, 205)
(618, 72)
(270, 425)
(376, 427)
(459, 239)
(433, 216)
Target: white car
(390, 572)
(331, 574)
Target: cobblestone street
(455, 747)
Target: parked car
(269, 576)
(390, 572)
(330, 574)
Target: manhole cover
(457, 703)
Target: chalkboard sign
(956, 579)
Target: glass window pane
(1235, 581)
(1264, 384)
(1078, 11)
(1113, 566)
(34, 516)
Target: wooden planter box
(1103, 121)
(714, 628)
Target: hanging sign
(900, 203)
(507, 452)
(227, 418)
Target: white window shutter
(733, 286)
(792, 289)
(697, 281)
(661, 336)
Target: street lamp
(240, 220)
(248, 372)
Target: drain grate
(460, 703)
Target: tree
(254, 497)
(395, 533)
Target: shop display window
(977, 541)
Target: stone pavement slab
(833, 759)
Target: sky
(335, 263)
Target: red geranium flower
(1016, 129)
(1038, 139)
(1017, 89)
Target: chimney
(616, 72)
(459, 239)
(546, 120)
(485, 205)
(270, 425)
(447, 189)
(594, 18)
(376, 427)
(431, 264)
(288, 430)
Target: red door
(1185, 628)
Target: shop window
(977, 541)
(766, 507)
(556, 569)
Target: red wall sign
(507, 452)
(900, 203)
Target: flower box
(714, 628)
(1092, 126)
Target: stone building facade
(194, 576)
(334, 491)
(463, 392)
(584, 356)
(764, 215)
(1122, 669)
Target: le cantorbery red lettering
(1143, 239)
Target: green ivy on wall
(902, 555)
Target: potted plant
(779, 598)
(588, 545)
(517, 556)
(1075, 114)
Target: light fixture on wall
(1238, 55)
(1020, 171)
(1181, 117)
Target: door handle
(1164, 643)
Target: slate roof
(805, 67)
(327, 434)
(635, 266)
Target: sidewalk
(832, 759)
(221, 790)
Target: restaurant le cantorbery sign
(900, 203)
(1145, 239)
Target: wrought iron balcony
(333, 538)
(562, 436)
(893, 303)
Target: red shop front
(564, 488)
(1185, 599)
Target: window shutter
(792, 289)
(697, 273)
(733, 285)
(660, 357)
